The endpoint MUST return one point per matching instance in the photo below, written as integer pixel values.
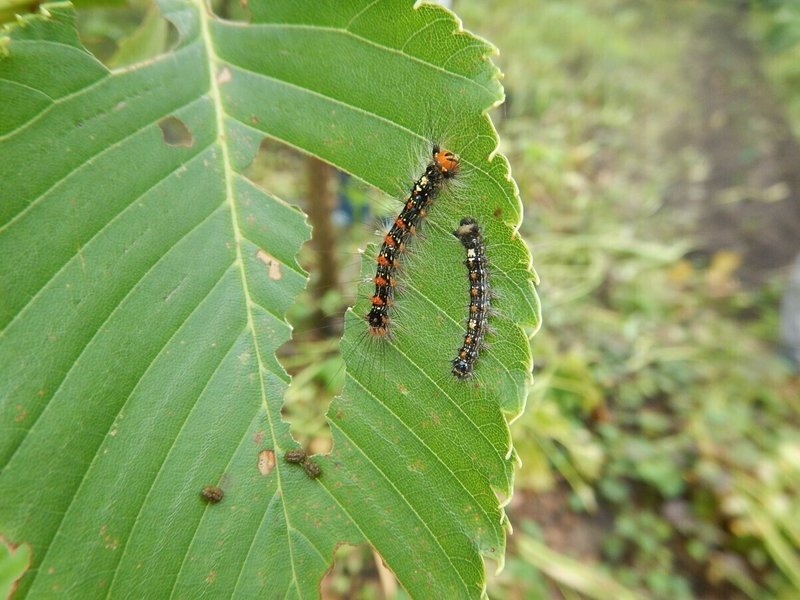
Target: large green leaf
(139, 321)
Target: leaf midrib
(214, 70)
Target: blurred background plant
(655, 146)
(661, 438)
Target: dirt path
(747, 200)
(751, 199)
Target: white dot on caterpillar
(469, 234)
(443, 165)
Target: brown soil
(750, 199)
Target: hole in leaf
(311, 357)
(344, 223)
(173, 36)
(136, 34)
(232, 10)
(358, 571)
(175, 132)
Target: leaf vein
(310, 543)
(369, 42)
(164, 462)
(88, 162)
(106, 320)
(419, 368)
(242, 439)
(27, 87)
(405, 500)
(430, 451)
(319, 95)
(83, 480)
(419, 31)
(50, 280)
(216, 98)
(79, 92)
(357, 16)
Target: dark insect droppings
(295, 456)
(312, 469)
(212, 493)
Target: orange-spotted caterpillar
(443, 165)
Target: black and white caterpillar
(469, 233)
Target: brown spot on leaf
(12, 577)
(175, 132)
(273, 266)
(266, 461)
(258, 436)
(417, 466)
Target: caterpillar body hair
(470, 236)
(442, 166)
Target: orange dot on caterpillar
(444, 165)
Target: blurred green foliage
(780, 23)
(660, 396)
(777, 24)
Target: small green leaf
(149, 39)
(573, 574)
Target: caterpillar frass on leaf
(442, 166)
(296, 456)
(469, 234)
(212, 493)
